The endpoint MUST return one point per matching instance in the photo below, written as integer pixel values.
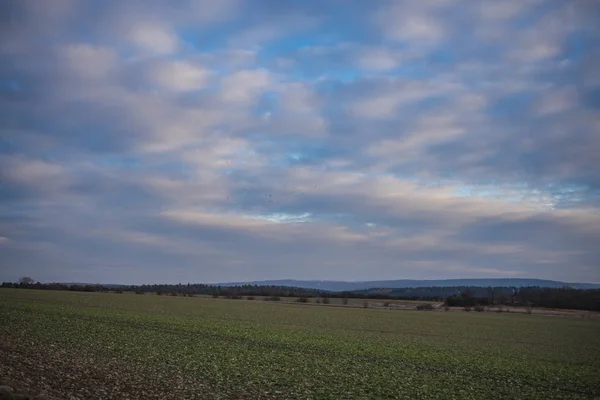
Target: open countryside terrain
(65, 345)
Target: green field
(111, 346)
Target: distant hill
(106, 285)
(339, 286)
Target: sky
(147, 141)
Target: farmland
(105, 346)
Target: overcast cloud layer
(202, 141)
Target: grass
(94, 345)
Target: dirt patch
(49, 373)
(548, 312)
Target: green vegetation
(101, 345)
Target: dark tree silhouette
(26, 281)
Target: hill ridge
(408, 283)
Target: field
(68, 345)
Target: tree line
(55, 286)
(177, 289)
(531, 296)
(458, 296)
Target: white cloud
(391, 94)
(229, 220)
(180, 76)
(409, 21)
(243, 86)
(35, 174)
(298, 111)
(543, 39)
(379, 59)
(379, 106)
(283, 217)
(427, 132)
(153, 37)
(556, 101)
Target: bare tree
(26, 281)
(491, 294)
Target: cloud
(180, 76)
(240, 141)
(384, 98)
(408, 21)
(298, 111)
(245, 85)
(375, 58)
(153, 38)
(26, 177)
(556, 101)
(89, 62)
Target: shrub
(499, 309)
(119, 291)
(273, 298)
(479, 308)
(325, 300)
(345, 301)
(302, 300)
(139, 291)
(446, 308)
(467, 308)
(528, 309)
(365, 304)
(215, 295)
(250, 298)
(424, 307)
(159, 293)
(234, 297)
(386, 304)
(317, 300)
